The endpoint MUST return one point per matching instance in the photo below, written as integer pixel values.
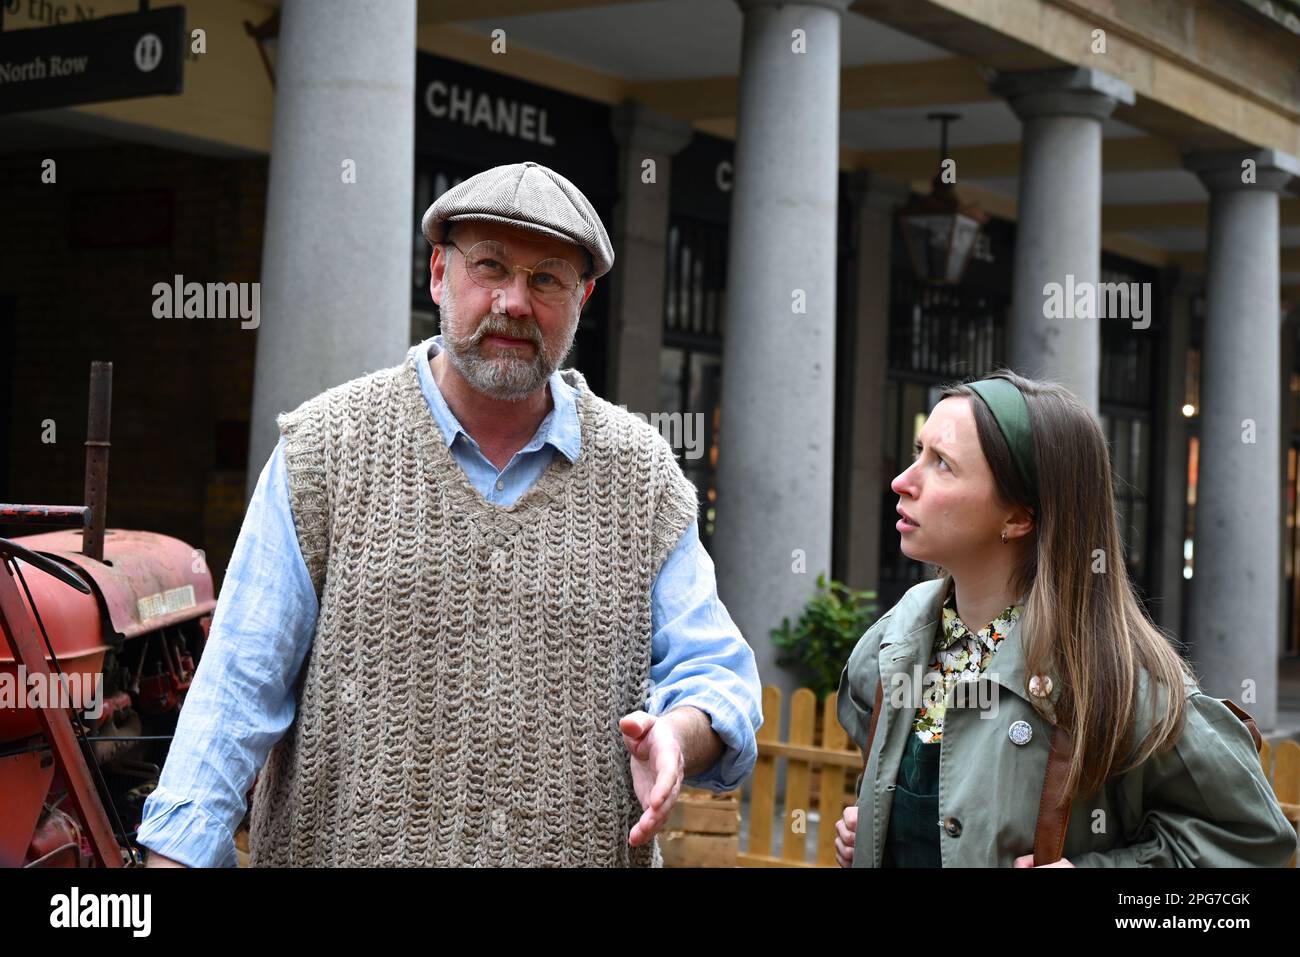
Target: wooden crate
(703, 830)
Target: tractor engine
(128, 653)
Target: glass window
(690, 408)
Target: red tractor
(100, 634)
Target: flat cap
(527, 195)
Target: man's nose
(516, 300)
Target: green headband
(1011, 413)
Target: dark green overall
(913, 834)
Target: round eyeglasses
(552, 281)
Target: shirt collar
(954, 629)
(561, 428)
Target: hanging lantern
(939, 230)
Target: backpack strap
(1247, 720)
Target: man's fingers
(845, 835)
(647, 827)
(659, 805)
(635, 727)
(666, 786)
(635, 724)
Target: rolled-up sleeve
(699, 658)
(241, 700)
(1204, 803)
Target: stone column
(777, 431)
(1234, 613)
(1058, 234)
(1171, 454)
(875, 203)
(639, 233)
(336, 257)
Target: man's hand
(1027, 860)
(658, 769)
(846, 832)
(157, 860)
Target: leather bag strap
(1049, 832)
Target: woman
(1032, 627)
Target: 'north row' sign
(112, 58)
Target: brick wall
(78, 262)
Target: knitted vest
(461, 699)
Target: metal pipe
(97, 446)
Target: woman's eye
(916, 454)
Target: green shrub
(819, 644)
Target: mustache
(496, 324)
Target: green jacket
(1203, 803)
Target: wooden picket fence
(704, 828)
(1282, 768)
(833, 763)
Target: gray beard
(508, 377)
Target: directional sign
(112, 58)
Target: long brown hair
(1082, 620)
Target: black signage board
(112, 58)
(483, 119)
(703, 177)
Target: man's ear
(588, 287)
(437, 271)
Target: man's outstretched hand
(658, 769)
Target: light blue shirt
(242, 701)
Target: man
(468, 615)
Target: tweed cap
(527, 195)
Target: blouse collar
(954, 629)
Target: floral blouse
(959, 655)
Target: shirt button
(501, 485)
(951, 826)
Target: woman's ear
(1020, 523)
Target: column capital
(1074, 91)
(637, 127)
(1224, 169)
(839, 6)
(873, 191)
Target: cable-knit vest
(461, 699)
